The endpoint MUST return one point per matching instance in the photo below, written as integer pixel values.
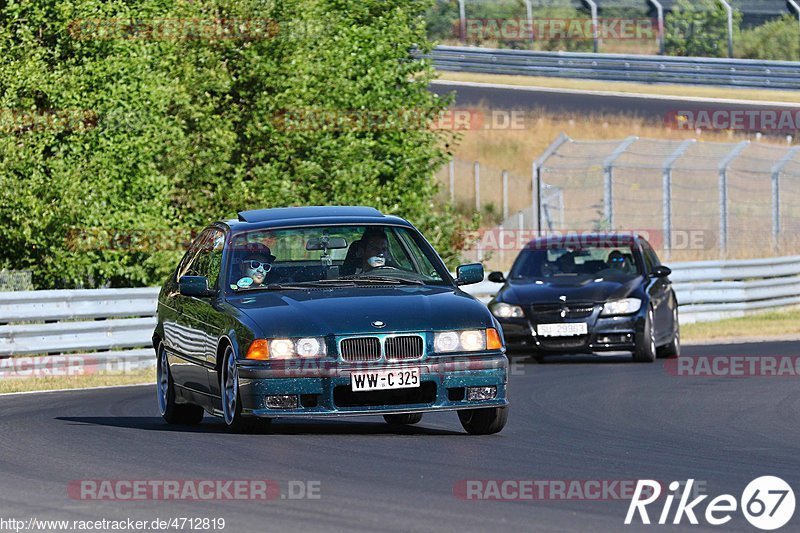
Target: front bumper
(323, 387)
(605, 334)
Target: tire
(673, 349)
(486, 421)
(173, 413)
(646, 344)
(403, 420)
(231, 399)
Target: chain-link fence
(693, 199)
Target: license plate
(405, 378)
(562, 330)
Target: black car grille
(360, 349)
(563, 343)
(404, 347)
(572, 310)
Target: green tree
(173, 132)
(699, 28)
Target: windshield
(591, 261)
(331, 256)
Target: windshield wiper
(386, 279)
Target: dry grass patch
(22, 384)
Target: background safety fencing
(693, 200)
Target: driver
(616, 260)
(255, 265)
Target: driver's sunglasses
(617, 259)
(255, 265)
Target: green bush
(777, 39)
(163, 135)
(699, 28)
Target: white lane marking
(670, 98)
(77, 388)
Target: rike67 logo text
(767, 503)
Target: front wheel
(231, 399)
(173, 413)
(646, 343)
(406, 419)
(673, 349)
(484, 421)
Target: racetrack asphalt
(586, 418)
(651, 107)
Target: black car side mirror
(497, 277)
(661, 272)
(196, 286)
(469, 274)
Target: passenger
(254, 267)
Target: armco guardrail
(111, 324)
(117, 324)
(618, 67)
(713, 290)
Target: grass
(761, 95)
(77, 382)
(762, 326)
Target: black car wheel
(231, 399)
(646, 343)
(173, 413)
(484, 421)
(406, 419)
(673, 349)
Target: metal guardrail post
(723, 194)
(536, 178)
(776, 193)
(667, 193)
(608, 180)
(595, 38)
(729, 9)
(660, 11)
(476, 169)
(462, 18)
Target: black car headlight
(504, 310)
(626, 306)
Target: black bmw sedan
(604, 292)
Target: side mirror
(497, 277)
(196, 286)
(469, 274)
(661, 272)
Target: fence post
(452, 175)
(595, 39)
(462, 18)
(476, 169)
(536, 178)
(660, 11)
(729, 9)
(796, 7)
(608, 180)
(723, 194)
(529, 13)
(667, 194)
(505, 195)
(776, 194)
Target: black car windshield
(330, 256)
(596, 262)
